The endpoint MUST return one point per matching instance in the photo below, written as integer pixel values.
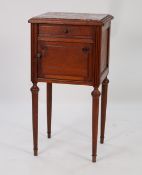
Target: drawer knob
(66, 31)
(85, 49)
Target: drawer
(65, 30)
(65, 61)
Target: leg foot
(35, 152)
(93, 158)
(103, 108)
(49, 135)
(101, 140)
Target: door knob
(38, 55)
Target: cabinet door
(65, 61)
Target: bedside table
(70, 48)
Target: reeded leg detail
(49, 108)
(35, 90)
(95, 113)
(103, 108)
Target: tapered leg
(95, 112)
(49, 108)
(103, 108)
(35, 90)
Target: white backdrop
(125, 70)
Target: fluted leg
(95, 112)
(49, 108)
(103, 108)
(35, 90)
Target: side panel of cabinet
(104, 49)
(65, 61)
(104, 58)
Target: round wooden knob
(66, 31)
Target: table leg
(95, 112)
(35, 90)
(49, 108)
(103, 108)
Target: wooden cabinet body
(70, 48)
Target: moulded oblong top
(65, 17)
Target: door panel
(65, 61)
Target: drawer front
(65, 61)
(65, 30)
